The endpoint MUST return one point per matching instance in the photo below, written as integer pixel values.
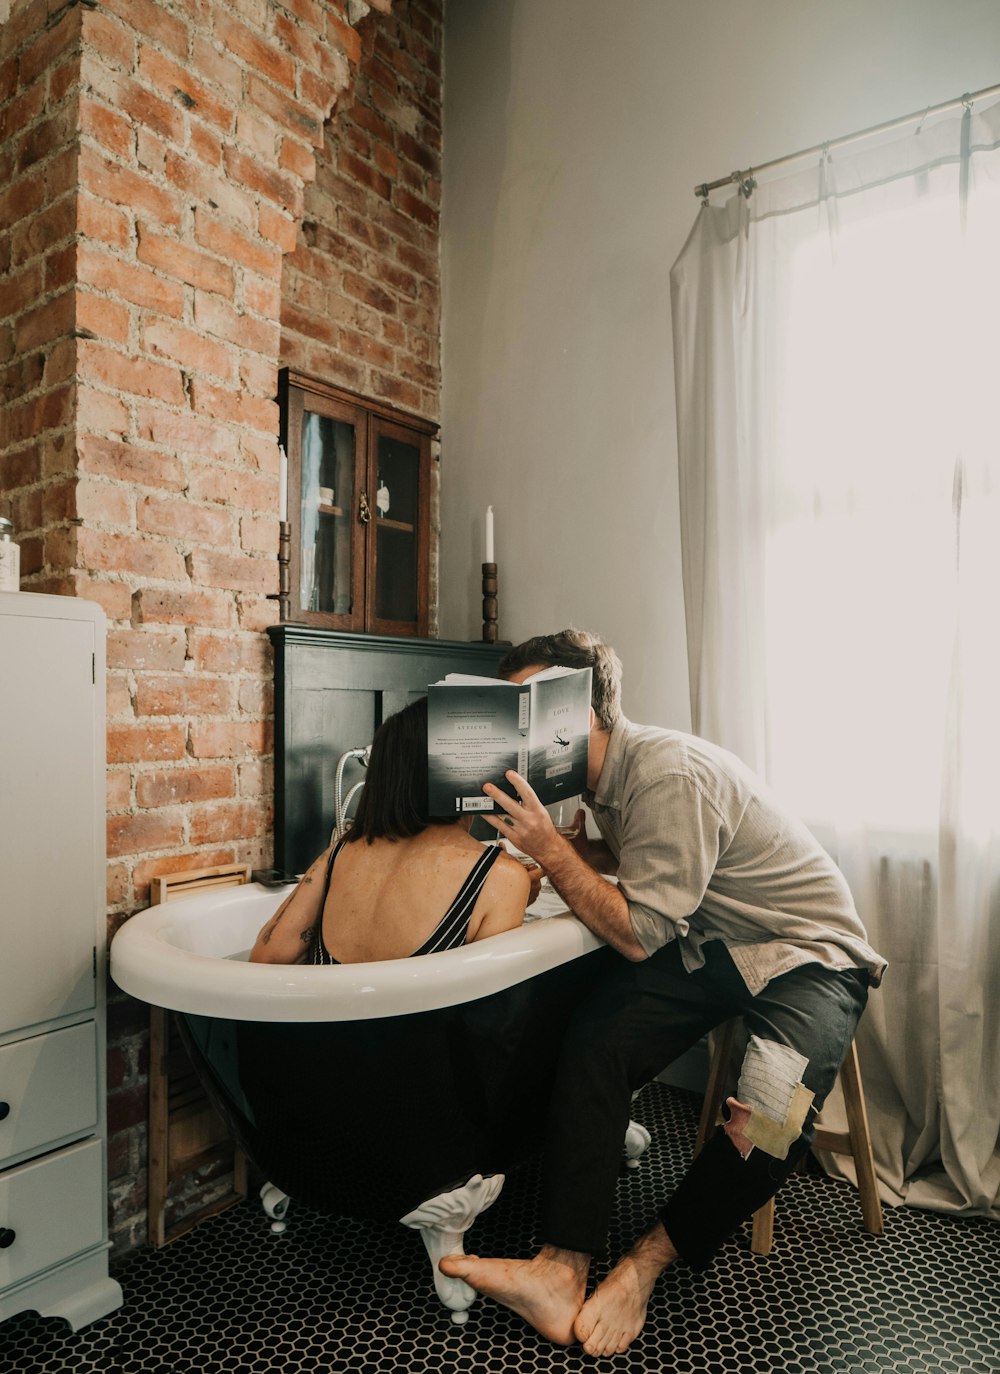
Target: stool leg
(715, 1086)
(861, 1143)
(762, 1235)
(763, 1219)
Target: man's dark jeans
(641, 1018)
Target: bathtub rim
(152, 960)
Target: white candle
(489, 535)
(282, 484)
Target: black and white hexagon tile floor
(346, 1296)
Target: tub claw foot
(637, 1140)
(275, 1204)
(442, 1222)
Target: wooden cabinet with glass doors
(359, 509)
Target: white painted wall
(575, 131)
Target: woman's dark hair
(575, 649)
(393, 802)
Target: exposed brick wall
(361, 293)
(39, 94)
(361, 297)
(156, 161)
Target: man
(725, 906)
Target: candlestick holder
(283, 594)
(489, 603)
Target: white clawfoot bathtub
(190, 955)
(462, 1042)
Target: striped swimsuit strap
(453, 927)
(320, 954)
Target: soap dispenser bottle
(10, 558)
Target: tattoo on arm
(305, 934)
(275, 920)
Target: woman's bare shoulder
(511, 868)
(505, 870)
(505, 896)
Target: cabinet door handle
(7, 1237)
(364, 510)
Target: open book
(478, 727)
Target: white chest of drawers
(53, 1171)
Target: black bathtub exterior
(370, 1118)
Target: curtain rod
(705, 187)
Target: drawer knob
(4, 1110)
(7, 1237)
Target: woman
(398, 883)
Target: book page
(545, 674)
(467, 679)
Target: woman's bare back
(387, 897)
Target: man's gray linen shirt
(706, 853)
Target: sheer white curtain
(837, 360)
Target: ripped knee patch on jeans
(771, 1086)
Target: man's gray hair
(575, 649)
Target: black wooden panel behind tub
(332, 691)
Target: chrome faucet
(341, 803)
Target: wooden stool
(856, 1141)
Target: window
(882, 550)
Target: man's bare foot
(615, 1312)
(546, 1291)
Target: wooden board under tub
(186, 1133)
